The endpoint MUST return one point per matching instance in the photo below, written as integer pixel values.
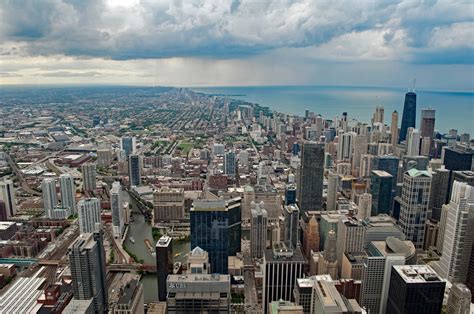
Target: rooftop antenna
(414, 83)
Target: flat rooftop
(417, 273)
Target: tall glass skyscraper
(381, 190)
(216, 228)
(409, 115)
(311, 172)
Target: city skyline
(237, 43)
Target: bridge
(149, 268)
(19, 261)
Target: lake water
(453, 109)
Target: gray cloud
(222, 29)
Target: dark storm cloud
(226, 29)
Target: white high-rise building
(378, 115)
(414, 207)
(89, 177)
(116, 206)
(7, 194)
(333, 184)
(89, 214)
(50, 198)
(413, 142)
(345, 146)
(258, 230)
(68, 192)
(458, 234)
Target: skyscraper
(409, 115)
(381, 256)
(459, 299)
(216, 228)
(311, 171)
(311, 237)
(7, 194)
(414, 209)
(381, 190)
(413, 142)
(229, 164)
(281, 267)
(134, 171)
(68, 192)
(388, 163)
(439, 191)
(89, 214)
(427, 123)
(350, 238)
(292, 217)
(327, 262)
(415, 289)
(116, 206)
(87, 263)
(333, 185)
(89, 174)
(164, 264)
(458, 234)
(394, 128)
(290, 195)
(50, 198)
(128, 144)
(378, 115)
(345, 146)
(258, 230)
(365, 206)
(104, 157)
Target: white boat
(132, 239)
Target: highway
(20, 177)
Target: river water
(140, 230)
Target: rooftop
(164, 241)
(417, 273)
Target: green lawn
(185, 148)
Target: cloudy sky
(238, 42)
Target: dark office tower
(387, 163)
(164, 264)
(216, 228)
(295, 149)
(311, 171)
(290, 195)
(292, 216)
(306, 113)
(409, 115)
(87, 263)
(134, 171)
(381, 190)
(414, 289)
(3, 211)
(439, 191)
(459, 158)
